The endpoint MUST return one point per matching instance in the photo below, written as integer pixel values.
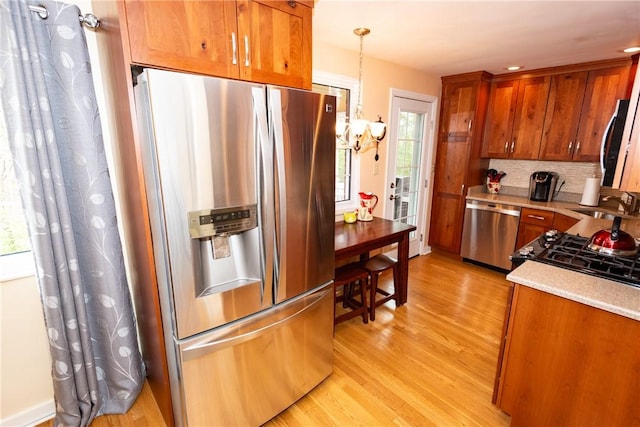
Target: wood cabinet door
(628, 169)
(497, 141)
(447, 213)
(195, 36)
(458, 110)
(563, 115)
(449, 193)
(528, 120)
(275, 42)
(450, 171)
(567, 363)
(528, 232)
(604, 88)
(563, 222)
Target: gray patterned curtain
(55, 136)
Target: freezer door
(303, 129)
(246, 373)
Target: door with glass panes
(410, 139)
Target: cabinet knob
(292, 4)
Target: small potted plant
(493, 181)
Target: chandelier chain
(359, 105)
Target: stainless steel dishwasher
(489, 232)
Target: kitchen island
(571, 354)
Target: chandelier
(363, 131)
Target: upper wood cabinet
(628, 169)
(515, 118)
(458, 163)
(578, 112)
(256, 40)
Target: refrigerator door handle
(295, 309)
(265, 187)
(605, 140)
(275, 108)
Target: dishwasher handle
(494, 207)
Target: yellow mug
(349, 217)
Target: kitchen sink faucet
(627, 202)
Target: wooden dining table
(362, 237)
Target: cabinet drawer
(536, 216)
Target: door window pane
(409, 146)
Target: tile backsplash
(574, 174)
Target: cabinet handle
(462, 189)
(570, 147)
(470, 125)
(513, 145)
(234, 48)
(541, 218)
(506, 146)
(246, 51)
(577, 147)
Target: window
(347, 164)
(15, 256)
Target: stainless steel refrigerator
(240, 187)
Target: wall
(25, 364)
(378, 77)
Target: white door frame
(426, 163)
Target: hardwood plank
(430, 362)
(144, 412)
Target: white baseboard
(32, 416)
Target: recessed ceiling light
(513, 67)
(633, 49)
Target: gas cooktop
(572, 252)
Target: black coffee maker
(542, 185)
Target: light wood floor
(430, 362)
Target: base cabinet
(568, 364)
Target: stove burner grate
(571, 252)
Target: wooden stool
(346, 276)
(375, 266)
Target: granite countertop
(604, 294)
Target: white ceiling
(452, 37)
